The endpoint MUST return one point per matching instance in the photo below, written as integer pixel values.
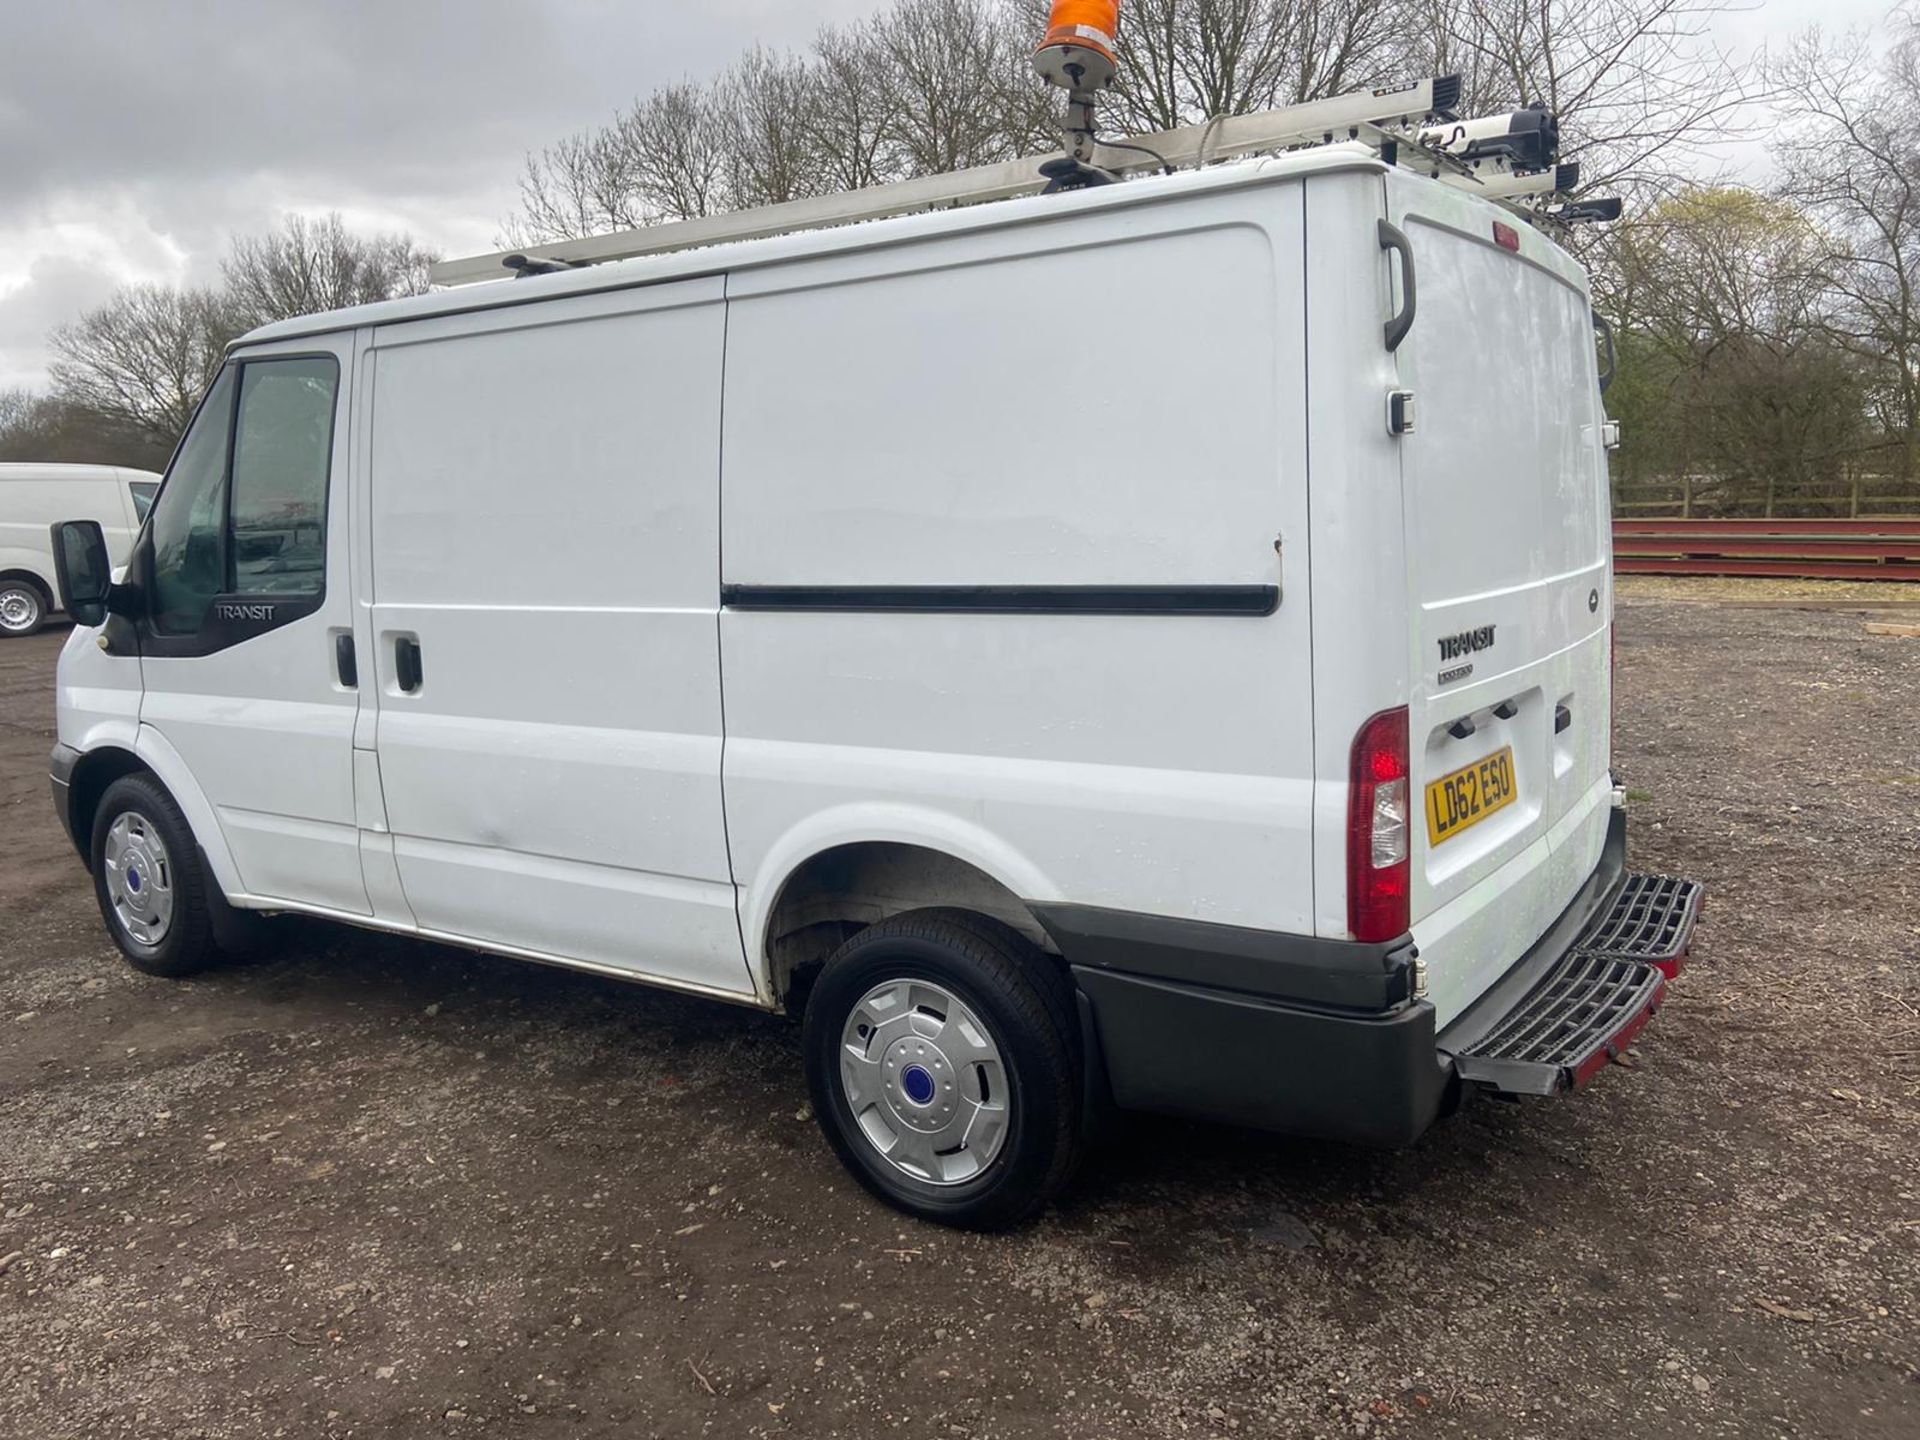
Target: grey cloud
(184, 122)
(58, 288)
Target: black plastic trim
(60, 767)
(1604, 328)
(1283, 1032)
(1011, 599)
(1299, 970)
(1213, 1055)
(1393, 238)
(231, 620)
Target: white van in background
(753, 621)
(33, 498)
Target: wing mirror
(85, 572)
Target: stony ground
(369, 1188)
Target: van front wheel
(23, 609)
(944, 1064)
(147, 878)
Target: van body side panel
(545, 516)
(892, 421)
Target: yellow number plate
(1460, 801)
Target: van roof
(800, 245)
(31, 470)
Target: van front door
(246, 596)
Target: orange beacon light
(1078, 51)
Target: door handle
(406, 664)
(345, 664)
(1393, 238)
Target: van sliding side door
(544, 567)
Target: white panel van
(763, 622)
(33, 498)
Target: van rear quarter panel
(1359, 589)
(1103, 399)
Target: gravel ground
(364, 1187)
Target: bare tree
(665, 159)
(673, 147)
(307, 266)
(1852, 157)
(766, 105)
(847, 123)
(951, 68)
(144, 357)
(48, 429)
(1642, 90)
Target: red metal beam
(1756, 569)
(1838, 528)
(1762, 548)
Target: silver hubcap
(925, 1081)
(18, 609)
(139, 878)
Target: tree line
(1771, 339)
(127, 375)
(1768, 339)
(926, 86)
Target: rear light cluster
(1379, 830)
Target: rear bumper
(1327, 1039)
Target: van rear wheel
(23, 609)
(944, 1064)
(149, 882)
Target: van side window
(189, 518)
(143, 492)
(280, 462)
(244, 508)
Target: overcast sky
(137, 136)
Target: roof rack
(1509, 158)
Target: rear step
(1652, 920)
(1585, 1010)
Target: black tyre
(944, 1062)
(147, 877)
(23, 607)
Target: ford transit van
(1220, 727)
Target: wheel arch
(49, 601)
(92, 774)
(101, 764)
(34, 578)
(821, 888)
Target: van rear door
(1509, 580)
